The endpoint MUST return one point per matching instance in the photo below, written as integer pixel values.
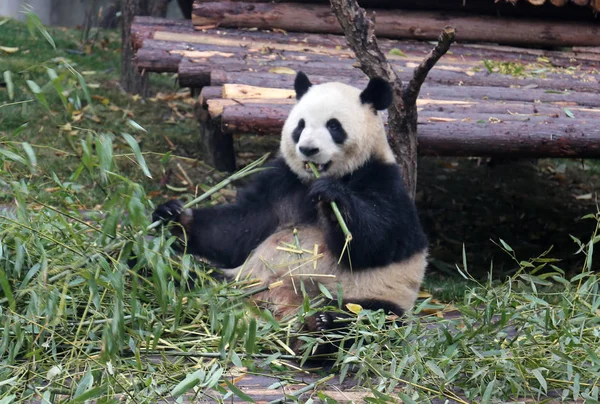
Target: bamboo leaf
(12, 156)
(6, 288)
(135, 125)
(37, 92)
(34, 22)
(238, 392)
(10, 86)
(138, 154)
(251, 337)
(186, 384)
(568, 113)
(540, 379)
(30, 154)
(324, 290)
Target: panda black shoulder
(396, 212)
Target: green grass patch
(55, 94)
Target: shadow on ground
(530, 204)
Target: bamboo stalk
(335, 209)
(303, 390)
(249, 169)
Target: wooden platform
(479, 100)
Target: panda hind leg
(339, 322)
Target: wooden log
(158, 61)
(398, 24)
(213, 99)
(554, 82)
(195, 69)
(306, 42)
(505, 8)
(334, 46)
(566, 138)
(145, 28)
(535, 95)
(210, 93)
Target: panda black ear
(378, 93)
(301, 84)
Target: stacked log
(465, 108)
(447, 126)
(399, 24)
(545, 8)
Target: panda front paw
(328, 320)
(168, 212)
(327, 189)
(323, 321)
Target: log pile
(549, 106)
(398, 24)
(545, 8)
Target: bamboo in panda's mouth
(334, 206)
(319, 167)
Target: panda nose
(309, 151)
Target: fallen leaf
(583, 197)
(354, 308)
(397, 52)
(569, 113)
(282, 70)
(437, 119)
(9, 49)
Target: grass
(94, 305)
(61, 94)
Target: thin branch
(411, 92)
(359, 30)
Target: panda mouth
(321, 168)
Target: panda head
(335, 126)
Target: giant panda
(282, 222)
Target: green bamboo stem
(334, 207)
(249, 169)
(303, 390)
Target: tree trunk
(132, 81)
(158, 8)
(402, 119)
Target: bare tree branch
(411, 92)
(402, 118)
(360, 33)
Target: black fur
(298, 130)
(378, 93)
(336, 130)
(301, 84)
(379, 213)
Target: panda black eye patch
(298, 131)
(338, 134)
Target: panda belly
(279, 261)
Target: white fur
(397, 282)
(364, 127)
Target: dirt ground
(530, 204)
